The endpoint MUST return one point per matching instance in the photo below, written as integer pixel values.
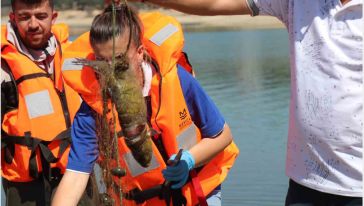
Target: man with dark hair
(37, 108)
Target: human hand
(179, 173)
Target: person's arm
(81, 160)
(207, 7)
(216, 135)
(197, 156)
(70, 189)
(208, 148)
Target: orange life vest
(163, 39)
(36, 134)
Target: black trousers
(33, 193)
(299, 195)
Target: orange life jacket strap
(32, 76)
(185, 62)
(197, 187)
(46, 157)
(49, 175)
(8, 142)
(160, 191)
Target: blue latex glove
(178, 174)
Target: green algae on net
(122, 87)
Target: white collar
(148, 75)
(34, 55)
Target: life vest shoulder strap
(61, 32)
(32, 76)
(185, 63)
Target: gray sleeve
(276, 8)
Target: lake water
(246, 73)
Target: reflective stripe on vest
(70, 65)
(38, 104)
(163, 34)
(187, 138)
(134, 167)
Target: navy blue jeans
(299, 195)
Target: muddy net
(122, 100)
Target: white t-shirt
(324, 148)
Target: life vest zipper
(66, 114)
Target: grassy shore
(80, 21)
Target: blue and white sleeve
(203, 111)
(84, 149)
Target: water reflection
(247, 75)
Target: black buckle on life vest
(140, 196)
(176, 195)
(32, 143)
(9, 149)
(160, 191)
(163, 191)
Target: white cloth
(148, 75)
(324, 148)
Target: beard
(37, 42)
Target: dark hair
(31, 2)
(126, 20)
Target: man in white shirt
(324, 148)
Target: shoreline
(188, 22)
(80, 21)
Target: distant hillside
(79, 4)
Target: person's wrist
(187, 156)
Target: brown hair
(126, 20)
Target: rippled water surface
(247, 75)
